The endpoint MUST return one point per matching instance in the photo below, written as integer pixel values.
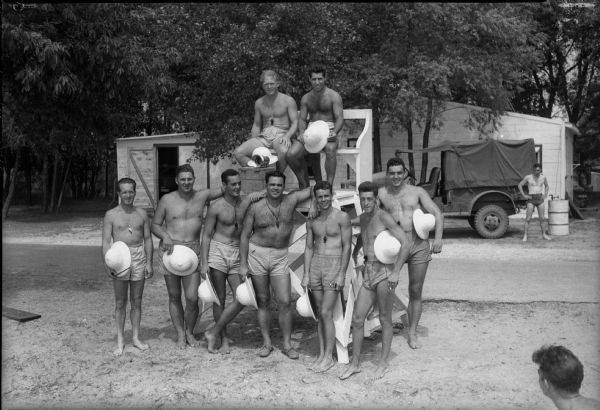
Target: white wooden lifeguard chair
(360, 160)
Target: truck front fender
(493, 197)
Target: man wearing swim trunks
(401, 199)
(131, 225)
(275, 122)
(320, 103)
(537, 192)
(221, 253)
(181, 212)
(328, 243)
(379, 280)
(264, 240)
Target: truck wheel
(491, 222)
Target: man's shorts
(324, 269)
(193, 245)
(536, 199)
(138, 264)
(269, 134)
(420, 251)
(267, 261)
(224, 258)
(375, 272)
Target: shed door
(140, 166)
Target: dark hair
(228, 173)
(394, 162)
(125, 180)
(322, 185)
(367, 186)
(275, 173)
(560, 367)
(317, 68)
(184, 168)
(537, 165)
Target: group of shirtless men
(248, 236)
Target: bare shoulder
(333, 94)
(111, 213)
(141, 212)
(341, 216)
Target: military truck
(479, 180)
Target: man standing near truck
(537, 192)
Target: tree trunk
(12, 183)
(62, 187)
(376, 140)
(424, 156)
(409, 142)
(55, 164)
(45, 166)
(27, 168)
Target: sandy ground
(477, 340)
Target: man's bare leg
(295, 159)
(282, 288)
(318, 298)
(328, 330)
(528, 214)
(243, 153)
(175, 307)
(385, 304)
(330, 160)
(192, 310)
(136, 289)
(218, 280)
(120, 287)
(416, 278)
(363, 303)
(541, 212)
(281, 152)
(234, 281)
(261, 287)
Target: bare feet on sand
(119, 350)
(546, 237)
(381, 370)
(314, 363)
(413, 342)
(350, 370)
(225, 346)
(191, 339)
(324, 365)
(212, 340)
(142, 346)
(524, 238)
(181, 342)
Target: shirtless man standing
(321, 103)
(129, 224)
(266, 232)
(401, 199)
(181, 212)
(221, 253)
(326, 258)
(379, 280)
(537, 192)
(275, 122)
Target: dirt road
(489, 305)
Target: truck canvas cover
(487, 163)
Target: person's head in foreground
(560, 376)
